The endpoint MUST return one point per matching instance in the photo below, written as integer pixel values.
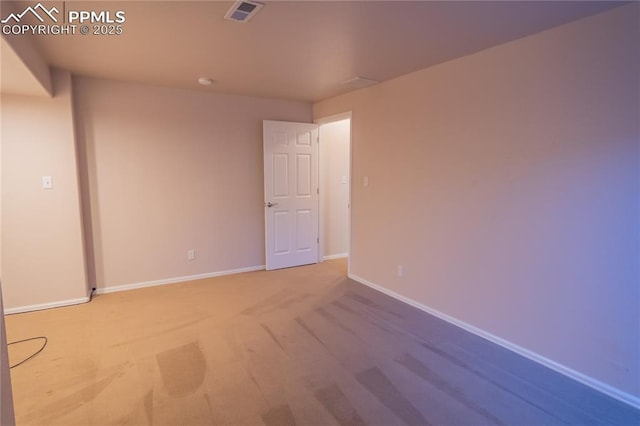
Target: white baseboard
(613, 392)
(124, 287)
(30, 308)
(335, 256)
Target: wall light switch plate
(343, 180)
(47, 182)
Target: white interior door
(291, 193)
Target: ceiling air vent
(243, 10)
(359, 82)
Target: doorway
(335, 186)
(307, 181)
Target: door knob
(270, 204)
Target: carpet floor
(299, 346)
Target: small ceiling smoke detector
(243, 10)
(359, 82)
(205, 81)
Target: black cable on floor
(34, 354)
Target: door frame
(326, 120)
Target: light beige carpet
(300, 346)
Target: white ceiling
(299, 50)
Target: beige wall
(506, 182)
(334, 167)
(170, 170)
(41, 238)
(23, 70)
(6, 397)
(0, 183)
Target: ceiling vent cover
(359, 82)
(243, 10)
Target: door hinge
(318, 240)
(318, 191)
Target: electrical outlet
(400, 271)
(191, 254)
